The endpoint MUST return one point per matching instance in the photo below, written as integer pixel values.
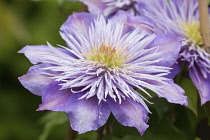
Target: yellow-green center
(107, 55)
(192, 31)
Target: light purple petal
(130, 113)
(94, 6)
(53, 98)
(34, 81)
(180, 2)
(31, 52)
(173, 93)
(39, 53)
(140, 22)
(202, 84)
(80, 21)
(170, 45)
(86, 114)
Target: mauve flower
(110, 7)
(182, 18)
(99, 70)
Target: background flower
(182, 18)
(110, 7)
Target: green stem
(100, 134)
(204, 23)
(172, 118)
(71, 134)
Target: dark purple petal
(170, 45)
(86, 114)
(176, 68)
(130, 113)
(34, 81)
(53, 98)
(173, 93)
(202, 84)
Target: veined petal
(140, 22)
(202, 84)
(53, 98)
(81, 21)
(173, 93)
(46, 54)
(169, 45)
(94, 6)
(130, 113)
(86, 115)
(34, 80)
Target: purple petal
(86, 114)
(176, 68)
(180, 2)
(202, 84)
(94, 6)
(140, 22)
(39, 53)
(170, 45)
(173, 93)
(32, 52)
(81, 21)
(130, 113)
(53, 98)
(34, 81)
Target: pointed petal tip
(143, 131)
(184, 102)
(204, 100)
(20, 51)
(40, 108)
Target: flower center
(109, 56)
(192, 31)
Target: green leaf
(163, 131)
(191, 93)
(121, 131)
(157, 131)
(161, 106)
(51, 119)
(61, 2)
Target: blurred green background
(25, 22)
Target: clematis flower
(99, 70)
(182, 18)
(109, 7)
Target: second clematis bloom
(99, 70)
(110, 7)
(182, 18)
